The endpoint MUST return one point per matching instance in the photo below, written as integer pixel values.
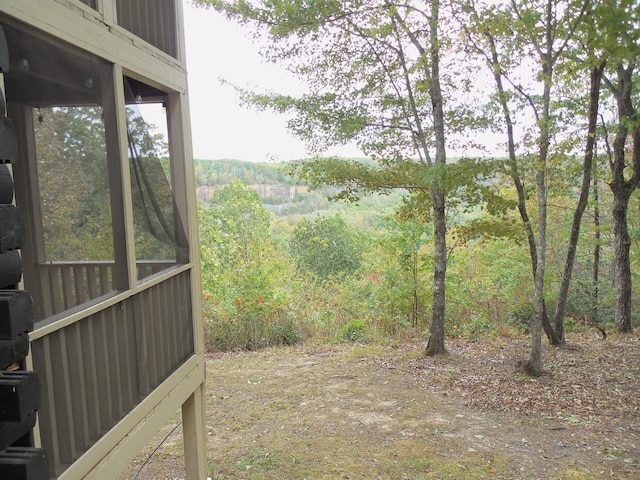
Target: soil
(387, 412)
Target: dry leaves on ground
(590, 383)
(586, 380)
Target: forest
(532, 222)
(331, 271)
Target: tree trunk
(594, 100)
(534, 366)
(435, 345)
(436, 330)
(415, 307)
(622, 188)
(622, 243)
(595, 272)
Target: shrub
(354, 331)
(287, 332)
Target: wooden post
(115, 126)
(193, 431)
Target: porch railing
(65, 285)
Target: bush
(287, 332)
(354, 331)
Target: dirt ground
(385, 412)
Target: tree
(327, 247)
(618, 26)
(540, 32)
(404, 240)
(374, 75)
(248, 281)
(236, 229)
(73, 177)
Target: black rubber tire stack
(20, 395)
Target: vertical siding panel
(104, 374)
(113, 360)
(91, 379)
(174, 328)
(151, 20)
(119, 335)
(145, 18)
(62, 393)
(144, 344)
(165, 341)
(189, 342)
(48, 412)
(159, 27)
(184, 327)
(180, 314)
(126, 334)
(153, 319)
(78, 388)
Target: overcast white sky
(217, 48)
(221, 127)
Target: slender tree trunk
(534, 366)
(514, 172)
(594, 100)
(415, 307)
(436, 330)
(595, 271)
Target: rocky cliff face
(284, 192)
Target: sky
(221, 127)
(217, 49)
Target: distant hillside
(282, 194)
(222, 172)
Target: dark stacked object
(19, 388)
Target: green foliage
(355, 331)
(271, 301)
(488, 280)
(397, 273)
(247, 281)
(376, 78)
(327, 247)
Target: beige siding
(151, 20)
(96, 370)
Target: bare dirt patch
(371, 412)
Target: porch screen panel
(159, 231)
(57, 90)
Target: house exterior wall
(115, 367)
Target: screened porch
(103, 183)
